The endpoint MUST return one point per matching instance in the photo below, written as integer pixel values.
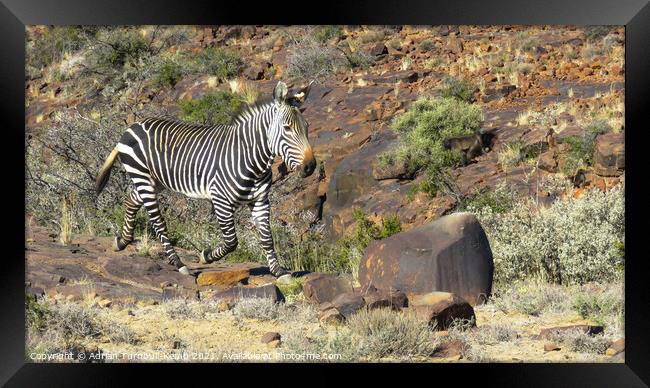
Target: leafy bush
(324, 34)
(599, 306)
(499, 200)
(581, 148)
(169, 73)
(458, 89)
(211, 109)
(36, 314)
(218, 61)
(422, 130)
(573, 241)
(593, 33)
(426, 45)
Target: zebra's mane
(249, 108)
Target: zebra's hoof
(184, 270)
(284, 279)
(118, 245)
(204, 257)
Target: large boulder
(609, 155)
(450, 254)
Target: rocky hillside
(468, 201)
(525, 81)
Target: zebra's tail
(105, 171)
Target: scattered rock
(320, 287)
(441, 309)
(450, 254)
(225, 278)
(331, 317)
(548, 161)
(179, 293)
(550, 332)
(609, 155)
(348, 303)
(616, 347)
(449, 349)
(378, 49)
(232, 295)
(270, 336)
(104, 303)
(375, 298)
(550, 346)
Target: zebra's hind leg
(132, 204)
(261, 212)
(150, 200)
(226, 217)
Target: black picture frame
(15, 14)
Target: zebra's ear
(280, 92)
(300, 96)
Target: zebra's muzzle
(308, 168)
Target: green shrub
(581, 148)
(116, 48)
(426, 45)
(324, 34)
(422, 130)
(499, 200)
(458, 89)
(168, 74)
(599, 306)
(221, 62)
(593, 33)
(211, 109)
(36, 313)
(573, 241)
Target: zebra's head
(288, 131)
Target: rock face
(269, 291)
(320, 288)
(375, 298)
(441, 308)
(348, 303)
(451, 254)
(609, 155)
(222, 278)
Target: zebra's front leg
(151, 204)
(261, 212)
(226, 217)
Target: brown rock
(319, 288)
(549, 332)
(450, 254)
(550, 346)
(179, 293)
(331, 317)
(232, 295)
(390, 171)
(616, 347)
(270, 336)
(378, 49)
(609, 155)
(375, 298)
(441, 309)
(449, 349)
(104, 303)
(348, 303)
(274, 344)
(225, 278)
(548, 161)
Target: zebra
(228, 164)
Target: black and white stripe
(228, 164)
